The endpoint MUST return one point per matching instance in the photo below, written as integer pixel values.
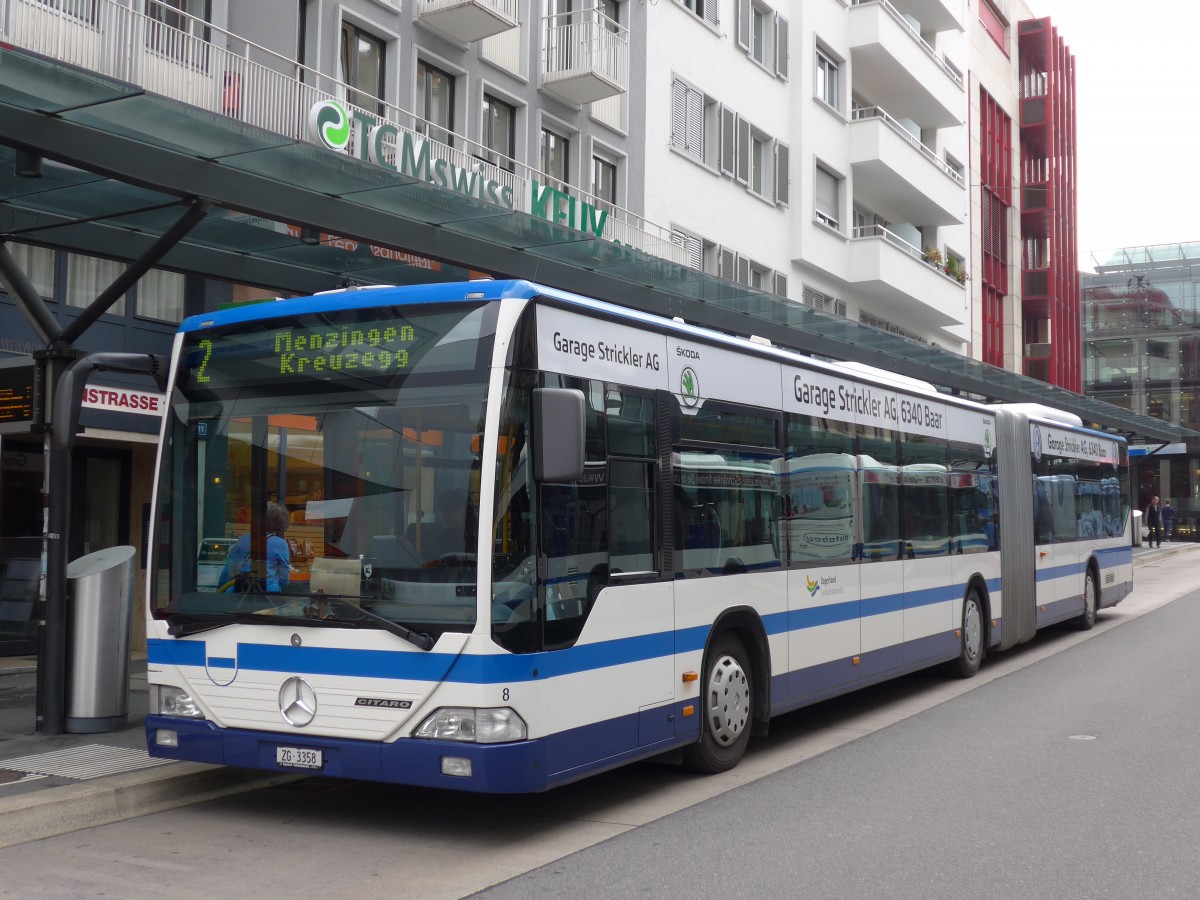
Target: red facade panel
(1050, 276)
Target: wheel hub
(728, 700)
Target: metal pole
(67, 400)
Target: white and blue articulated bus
(496, 537)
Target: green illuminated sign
(353, 131)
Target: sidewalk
(52, 785)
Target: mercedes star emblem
(297, 702)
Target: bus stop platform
(55, 784)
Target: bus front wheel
(727, 708)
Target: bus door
(1058, 566)
(818, 544)
(930, 597)
(881, 566)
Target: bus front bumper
(518, 767)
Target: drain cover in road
(90, 761)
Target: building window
(704, 9)
(435, 103)
(993, 23)
(694, 122)
(160, 295)
(827, 191)
(38, 265)
(362, 59)
(759, 23)
(85, 10)
(556, 151)
(760, 173)
(604, 182)
(499, 132)
(702, 254)
(179, 29)
(762, 33)
(827, 80)
(87, 276)
(611, 12)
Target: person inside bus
(279, 557)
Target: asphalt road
(1073, 777)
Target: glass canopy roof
(121, 167)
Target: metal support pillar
(68, 397)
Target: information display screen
(16, 395)
(366, 347)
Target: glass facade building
(1141, 332)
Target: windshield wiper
(324, 605)
(184, 624)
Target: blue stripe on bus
(505, 668)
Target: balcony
(901, 177)
(468, 20)
(934, 15)
(894, 66)
(886, 268)
(585, 56)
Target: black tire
(971, 636)
(726, 708)
(1091, 602)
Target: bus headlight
(171, 701)
(478, 726)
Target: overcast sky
(1137, 69)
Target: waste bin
(1137, 528)
(99, 617)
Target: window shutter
(839, 307)
(781, 284)
(695, 124)
(743, 150)
(826, 190)
(693, 247)
(728, 141)
(678, 114)
(743, 270)
(725, 263)
(710, 11)
(782, 174)
(743, 24)
(781, 46)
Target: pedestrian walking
(1168, 520)
(1154, 521)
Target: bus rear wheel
(726, 707)
(970, 653)
(1087, 618)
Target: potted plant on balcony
(933, 256)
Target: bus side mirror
(558, 432)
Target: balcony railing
(468, 20)
(951, 71)
(190, 60)
(864, 232)
(585, 56)
(875, 112)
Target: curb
(37, 815)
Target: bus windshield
(324, 470)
